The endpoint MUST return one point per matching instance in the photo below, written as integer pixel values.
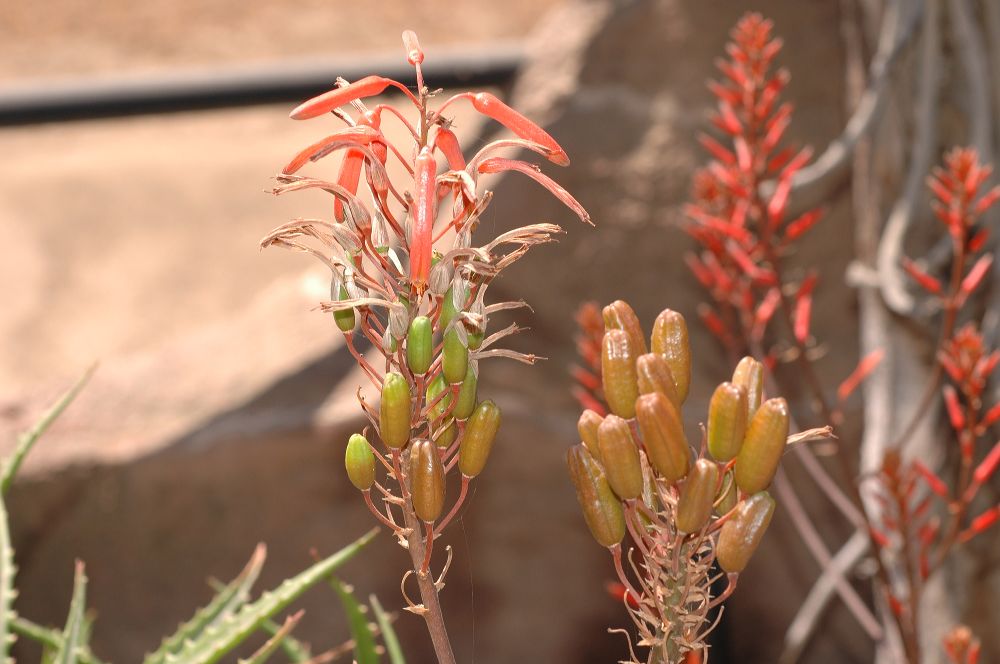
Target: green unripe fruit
(742, 533)
(620, 316)
(448, 308)
(670, 339)
(455, 357)
(480, 432)
(426, 480)
(476, 339)
(601, 508)
(697, 497)
(467, 395)
(420, 345)
(587, 427)
(763, 446)
(750, 374)
(620, 457)
(360, 462)
(445, 436)
(344, 318)
(663, 436)
(727, 421)
(394, 411)
(618, 374)
(443, 431)
(654, 375)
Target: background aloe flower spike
(408, 277)
(680, 516)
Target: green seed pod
(763, 446)
(697, 496)
(654, 375)
(620, 457)
(619, 316)
(394, 411)
(455, 360)
(477, 442)
(435, 411)
(587, 427)
(448, 307)
(426, 480)
(725, 500)
(445, 436)
(467, 395)
(743, 531)
(727, 421)
(420, 345)
(344, 318)
(670, 339)
(663, 436)
(476, 339)
(618, 373)
(360, 462)
(601, 508)
(750, 374)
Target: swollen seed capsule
(670, 339)
(654, 375)
(763, 446)
(587, 427)
(437, 407)
(750, 374)
(444, 437)
(449, 308)
(697, 496)
(360, 462)
(727, 421)
(467, 395)
(455, 360)
(620, 316)
(601, 508)
(345, 317)
(394, 411)
(476, 339)
(620, 457)
(426, 480)
(618, 373)
(420, 345)
(725, 500)
(743, 531)
(477, 442)
(663, 436)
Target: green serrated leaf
(68, 652)
(295, 650)
(50, 639)
(7, 589)
(389, 637)
(361, 633)
(265, 651)
(10, 465)
(217, 640)
(227, 601)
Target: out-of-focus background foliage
(219, 413)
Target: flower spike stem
(432, 615)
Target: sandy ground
(67, 37)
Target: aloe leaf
(389, 637)
(264, 653)
(227, 601)
(7, 590)
(10, 465)
(68, 652)
(361, 633)
(50, 639)
(218, 639)
(295, 650)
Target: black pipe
(289, 82)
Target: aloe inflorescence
(410, 275)
(687, 510)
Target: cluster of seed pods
(408, 279)
(683, 507)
